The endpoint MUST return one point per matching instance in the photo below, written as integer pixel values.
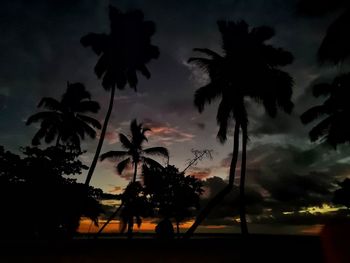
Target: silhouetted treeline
(38, 200)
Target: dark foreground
(203, 249)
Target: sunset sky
(287, 175)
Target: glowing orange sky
(86, 226)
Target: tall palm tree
(334, 128)
(65, 120)
(124, 51)
(134, 154)
(248, 68)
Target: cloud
(166, 134)
(289, 179)
(200, 125)
(200, 173)
(229, 207)
(115, 189)
(112, 137)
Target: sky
(287, 176)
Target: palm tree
(248, 68)
(334, 128)
(65, 119)
(122, 52)
(134, 154)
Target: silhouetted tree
(173, 194)
(39, 201)
(333, 128)
(136, 205)
(249, 68)
(65, 120)
(124, 51)
(342, 195)
(134, 153)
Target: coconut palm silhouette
(334, 110)
(124, 51)
(248, 69)
(65, 120)
(134, 155)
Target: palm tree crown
(334, 128)
(125, 50)
(248, 68)
(134, 153)
(65, 120)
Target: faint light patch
(325, 208)
(111, 136)
(313, 230)
(115, 189)
(200, 173)
(197, 76)
(5, 91)
(345, 160)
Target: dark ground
(203, 249)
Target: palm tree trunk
(178, 229)
(221, 195)
(58, 140)
(110, 219)
(130, 227)
(242, 204)
(102, 136)
(135, 172)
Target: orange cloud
(200, 173)
(166, 134)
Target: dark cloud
(288, 179)
(224, 212)
(3, 100)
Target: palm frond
(41, 116)
(122, 165)
(38, 136)
(87, 128)
(91, 121)
(151, 162)
(116, 155)
(262, 33)
(206, 94)
(313, 113)
(335, 46)
(98, 42)
(125, 141)
(223, 115)
(203, 63)
(50, 104)
(320, 130)
(208, 52)
(161, 151)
